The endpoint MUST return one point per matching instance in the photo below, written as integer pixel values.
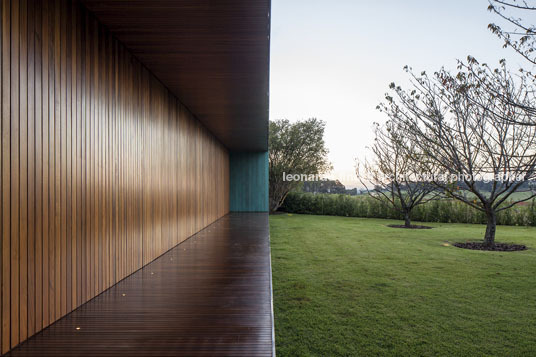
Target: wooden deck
(208, 296)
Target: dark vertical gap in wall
(248, 186)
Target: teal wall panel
(248, 179)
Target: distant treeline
(328, 186)
(444, 210)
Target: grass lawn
(354, 287)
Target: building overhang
(212, 54)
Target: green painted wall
(248, 176)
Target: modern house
(134, 139)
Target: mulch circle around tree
(413, 226)
(499, 247)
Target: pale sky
(334, 60)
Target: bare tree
(391, 176)
(520, 34)
(458, 125)
(499, 82)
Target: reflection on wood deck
(210, 295)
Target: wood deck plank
(210, 295)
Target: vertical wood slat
(6, 176)
(23, 171)
(39, 234)
(57, 112)
(31, 192)
(1, 190)
(102, 168)
(15, 181)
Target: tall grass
(445, 210)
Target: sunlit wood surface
(103, 169)
(214, 55)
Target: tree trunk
(489, 238)
(274, 206)
(407, 220)
(276, 202)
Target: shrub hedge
(444, 210)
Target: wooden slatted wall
(102, 168)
